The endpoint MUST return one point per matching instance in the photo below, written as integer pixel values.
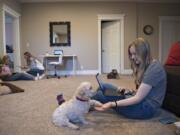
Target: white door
(169, 34)
(9, 37)
(7, 11)
(110, 46)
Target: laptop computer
(100, 82)
(58, 52)
(107, 92)
(111, 92)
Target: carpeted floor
(29, 113)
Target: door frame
(16, 34)
(161, 19)
(111, 17)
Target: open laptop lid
(100, 82)
(58, 52)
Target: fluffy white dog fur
(74, 110)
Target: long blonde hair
(143, 53)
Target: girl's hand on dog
(108, 105)
(105, 106)
(98, 106)
(99, 109)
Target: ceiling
(144, 1)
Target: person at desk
(34, 66)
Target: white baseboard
(79, 72)
(86, 72)
(127, 72)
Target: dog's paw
(91, 123)
(75, 127)
(88, 123)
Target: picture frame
(60, 33)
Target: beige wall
(16, 6)
(13, 5)
(84, 26)
(149, 14)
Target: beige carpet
(29, 113)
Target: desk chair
(56, 64)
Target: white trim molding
(113, 17)
(87, 72)
(79, 72)
(10, 11)
(161, 20)
(16, 34)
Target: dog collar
(80, 99)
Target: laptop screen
(99, 81)
(58, 52)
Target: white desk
(73, 57)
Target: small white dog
(74, 110)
